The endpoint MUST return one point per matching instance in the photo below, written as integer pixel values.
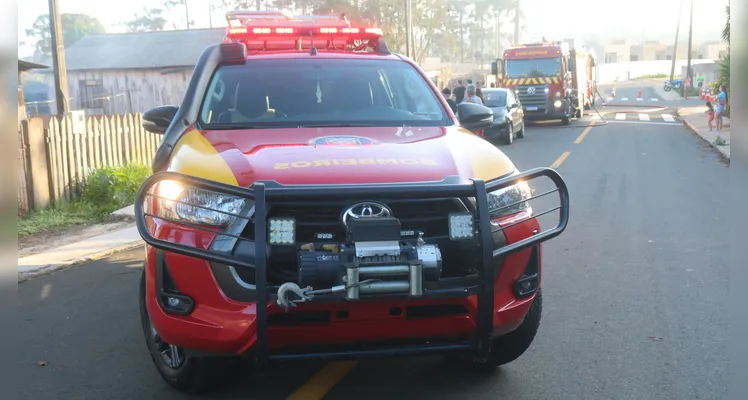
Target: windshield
(495, 98)
(320, 92)
(532, 68)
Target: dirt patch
(38, 243)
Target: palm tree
(726, 29)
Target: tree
(726, 29)
(724, 70)
(74, 27)
(150, 20)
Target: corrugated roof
(161, 49)
(27, 65)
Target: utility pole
(675, 45)
(516, 23)
(58, 58)
(210, 14)
(689, 73)
(409, 50)
(187, 13)
(462, 40)
(498, 33)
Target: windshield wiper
(336, 125)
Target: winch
(373, 260)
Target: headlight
(510, 200)
(197, 206)
(557, 103)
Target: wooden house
(121, 73)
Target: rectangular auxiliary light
(282, 231)
(461, 226)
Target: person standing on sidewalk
(700, 81)
(721, 103)
(459, 91)
(447, 95)
(710, 114)
(471, 96)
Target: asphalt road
(634, 295)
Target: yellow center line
(560, 160)
(323, 381)
(584, 133)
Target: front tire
(509, 138)
(188, 374)
(509, 347)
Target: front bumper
(546, 111)
(477, 296)
(497, 131)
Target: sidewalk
(667, 96)
(75, 253)
(696, 120)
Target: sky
(551, 18)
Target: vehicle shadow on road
(79, 336)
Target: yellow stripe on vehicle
(194, 155)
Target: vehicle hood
(338, 155)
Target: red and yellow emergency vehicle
(553, 80)
(314, 196)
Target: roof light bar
(276, 29)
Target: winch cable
(307, 294)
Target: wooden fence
(72, 152)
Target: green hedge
(113, 188)
(108, 189)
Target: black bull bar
(265, 193)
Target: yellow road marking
(560, 160)
(584, 133)
(323, 381)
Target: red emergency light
(260, 25)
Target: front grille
(427, 215)
(312, 218)
(538, 99)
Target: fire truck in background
(553, 80)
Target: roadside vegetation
(108, 189)
(654, 76)
(724, 67)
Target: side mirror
(474, 116)
(156, 120)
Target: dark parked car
(509, 121)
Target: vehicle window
(320, 92)
(532, 68)
(496, 98)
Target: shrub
(693, 91)
(114, 187)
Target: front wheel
(509, 138)
(188, 374)
(668, 88)
(509, 347)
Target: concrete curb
(23, 276)
(696, 131)
(69, 255)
